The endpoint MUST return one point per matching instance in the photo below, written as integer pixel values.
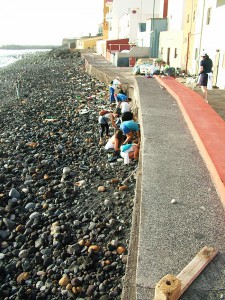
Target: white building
(212, 37)
(125, 16)
(172, 42)
(197, 27)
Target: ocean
(8, 57)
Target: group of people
(125, 140)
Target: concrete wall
(139, 51)
(122, 59)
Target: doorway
(168, 56)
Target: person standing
(117, 86)
(116, 83)
(205, 68)
(111, 93)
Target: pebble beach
(65, 211)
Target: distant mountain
(19, 47)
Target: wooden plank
(195, 267)
(171, 287)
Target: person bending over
(129, 151)
(125, 106)
(129, 128)
(115, 143)
(104, 124)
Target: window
(209, 12)
(142, 27)
(175, 53)
(194, 16)
(161, 50)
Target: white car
(142, 66)
(145, 69)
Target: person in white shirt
(125, 106)
(117, 87)
(116, 83)
(124, 110)
(154, 68)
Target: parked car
(142, 66)
(145, 68)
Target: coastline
(10, 56)
(60, 234)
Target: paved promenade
(183, 158)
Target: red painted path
(207, 128)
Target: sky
(47, 22)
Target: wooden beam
(171, 287)
(195, 267)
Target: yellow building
(105, 23)
(87, 42)
(189, 35)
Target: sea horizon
(10, 56)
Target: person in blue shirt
(111, 93)
(129, 128)
(121, 97)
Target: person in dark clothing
(127, 116)
(104, 124)
(205, 68)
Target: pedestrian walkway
(182, 161)
(216, 98)
(170, 235)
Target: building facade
(185, 29)
(197, 28)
